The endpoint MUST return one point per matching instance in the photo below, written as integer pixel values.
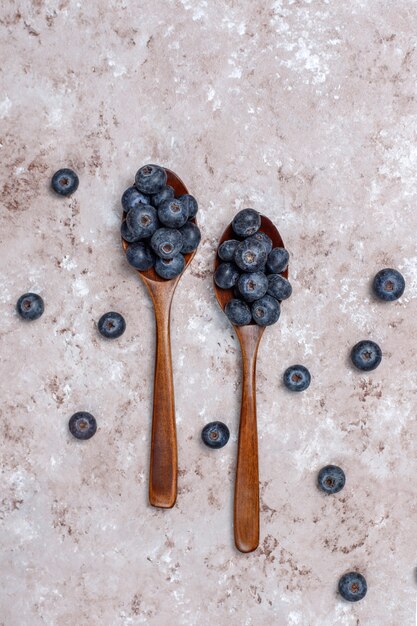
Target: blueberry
(82, 425)
(215, 434)
(150, 179)
(297, 378)
(331, 479)
(167, 193)
(140, 256)
(277, 260)
(252, 286)
(226, 275)
(169, 268)
(227, 249)
(173, 213)
(366, 355)
(30, 306)
(166, 242)
(246, 222)
(142, 221)
(250, 255)
(111, 325)
(238, 312)
(126, 233)
(191, 237)
(190, 204)
(279, 287)
(353, 586)
(264, 239)
(65, 182)
(132, 198)
(389, 284)
(266, 311)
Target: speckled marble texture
(305, 110)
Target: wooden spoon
(164, 457)
(246, 506)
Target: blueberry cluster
(253, 268)
(159, 227)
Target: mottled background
(305, 110)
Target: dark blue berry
(252, 286)
(169, 268)
(173, 213)
(127, 234)
(279, 287)
(82, 425)
(297, 378)
(65, 182)
(30, 306)
(142, 221)
(167, 193)
(150, 179)
(250, 255)
(266, 311)
(132, 198)
(331, 479)
(190, 204)
(366, 355)
(264, 239)
(238, 312)
(140, 256)
(111, 325)
(215, 434)
(166, 242)
(246, 222)
(227, 249)
(353, 587)
(226, 275)
(389, 284)
(277, 260)
(191, 237)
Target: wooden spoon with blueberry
(160, 237)
(250, 281)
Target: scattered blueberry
(264, 239)
(331, 479)
(169, 268)
(82, 425)
(277, 260)
(389, 284)
(111, 325)
(150, 179)
(353, 587)
(166, 242)
(30, 306)
(142, 221)
(190, 204)
(173, 213)
(252, 286)
(140, 256)
(191, 237)
(215, 434)
(366, 355)
(238, 312)
(132, 197)
(126, 233)
(279, 287)
(227, 249)
(297, 378)
(250, 255)
(246, 222)
(167, 193)
(266, 311)
(65, 182)
(226, 275)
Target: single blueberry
(266, 311)
(132, 198)
(264, 239)
(167, 193)
(140, 256)
(252, 286)
(227, 249)
(297, 378)
(191, 237)
(331, 479)
(111, 325)
(246, 222)
(30, 306)
(173, 213)
(150, 179)
(389, 284)
(366, 355)
(65, 182)
(82, 425)
(226, 275)
(190, 204)
(142, 221)
(169, 268)
(127, 234)
(277, 260)
(279, 287)
(167, 242)
(238, 312)
(353, 586)
(215, 434)
(250, 255)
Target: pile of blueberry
(159, 227)
(253, 269)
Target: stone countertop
(305, 110)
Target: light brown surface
(307, 112)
